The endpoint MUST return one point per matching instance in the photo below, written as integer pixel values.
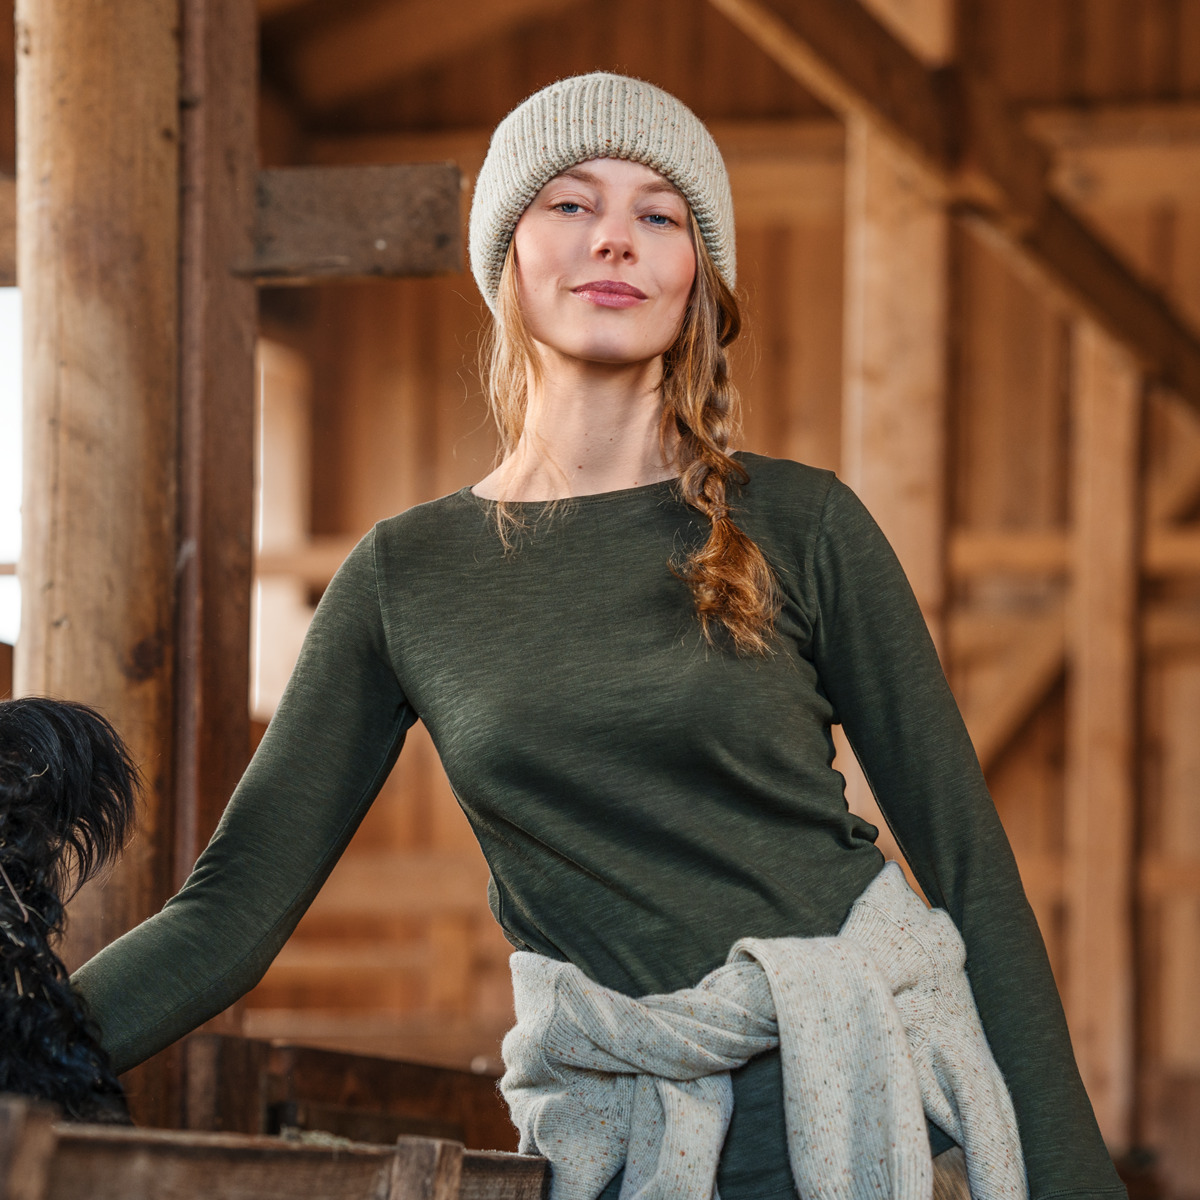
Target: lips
(610, 293)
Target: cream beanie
(596, 116)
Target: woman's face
(605, 263)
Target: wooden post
(219, 314)
(896, 377)
(894, 394)
(98, 203)
(1102, 731)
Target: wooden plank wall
(398, 418)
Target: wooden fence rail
(42, 1160)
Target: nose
(613, 241)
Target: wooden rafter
(959, 131)
(367, 51)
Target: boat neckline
(665, 486)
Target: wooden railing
(41, 1159)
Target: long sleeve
(327, 751)
(880, 670)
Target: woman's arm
(879, 668)
(325, 755)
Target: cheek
(681, 278)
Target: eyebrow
(658, 185)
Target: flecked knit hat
(596, 116)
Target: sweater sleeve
(881, 672)
(329, 747)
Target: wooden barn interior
(969, 251)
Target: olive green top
(643, 800)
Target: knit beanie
(596, 116)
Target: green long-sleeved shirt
(642, 800)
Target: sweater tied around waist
(876, 1027)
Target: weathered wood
(6, 670)
(958, 131)
(8, 232)
(247, 1086)
(98, 197)
(426, 1169)
(950, 1176)
(495, 1175)
(375, 46)
(125, 1164)
(356, 223)
(218, 163)
(26, 1147)
(1102, 732)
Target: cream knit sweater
(874, 1026)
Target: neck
(589, 428)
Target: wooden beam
(1166, 553)
(927, 27)
(1005, 692)
(8, 232)
(1122, 154)
(217, 414)
(895, 390)
(1102, 725)
(779, 170)
(373, 48)
(959, 132)
(896, 368)
(98, 199)
(356, 222)
(129, 1164)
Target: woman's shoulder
(783, 485)
(429, 523)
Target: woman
(629, 647)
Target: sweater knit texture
(643, 800)
(596, 116)
(873, 1026)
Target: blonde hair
(732, 585)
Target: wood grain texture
(26, 1147)
(119, 1164)
(956, 127)
(950, 1176)
(218, 163)
(98, 197)
(372, 48)
(1102, 738)
(248, 1086)
(356, 222)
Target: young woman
(629, 645)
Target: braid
(731, 582)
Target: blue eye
(660, 219)
(569, 207)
